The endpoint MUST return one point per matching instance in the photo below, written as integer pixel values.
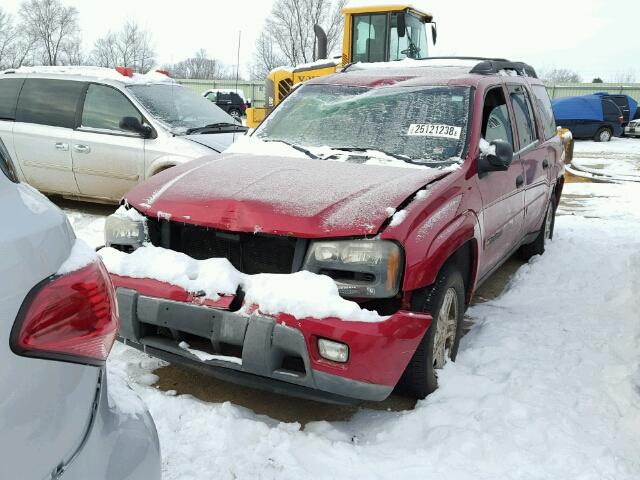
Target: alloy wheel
(445, 329)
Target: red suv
(402, 185)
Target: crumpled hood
(280, 195)
(216, 141)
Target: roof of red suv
(435, 71)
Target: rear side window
(104, 107)
(49, 102)
(9, 91)
(6, 166)
(610, 109)
(546, 112)
(522, 113)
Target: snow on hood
(281, 195)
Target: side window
(104, 107)
(369, 40)
(522, 115)
(6, 166)
(495, 117)
(546, 112)
(49, 102)
(9, 90)
(610, 109)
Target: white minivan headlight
(361, 268)
(125, 229)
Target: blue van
(594, 116)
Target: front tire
(235, 113)
(445, 301)
(544, 235)
(604, 134)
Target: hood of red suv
(280, 195)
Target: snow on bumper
(274, 352)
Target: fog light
(334, 351)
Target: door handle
(63, 147)
(519, 181)
(82, 148)
(545, 164)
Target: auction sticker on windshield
(434, 130)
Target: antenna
(238, 60)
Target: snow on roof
(100, 73)
(318, 63)
(239, 91)
(411, 63)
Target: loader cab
(383, 34)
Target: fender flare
(422, 269)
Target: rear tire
(444, 300)
(544, 235)
(603, 134)
(235, 113)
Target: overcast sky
(594, 37)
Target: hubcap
(445, 329)
(548, 222)
(605, 135)
(235, 114)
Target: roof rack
(491, 66)
(478, 65)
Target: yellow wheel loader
(371, 34)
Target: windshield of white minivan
(421, 125)
(179, 107)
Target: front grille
(249, 253)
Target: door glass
(49, 102)
(495, 118)
(413, 44)
(104, 107)
(9, 89)
(369, 38)
(523, 118)
(546, 112)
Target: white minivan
(93, 133)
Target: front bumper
(276, 353)
(632, 131)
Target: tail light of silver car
(71, 317)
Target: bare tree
(200, 67)
(288, 33)
(266, 56)
(559, 75)
(16, 45)
(129, 47)
(625, 76)
(53, 27)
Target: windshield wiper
(404, 158)
(216, 126)
(296, 147)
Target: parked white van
(93, 133)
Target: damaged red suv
(331, 254)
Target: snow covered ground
(546, 386)
(619, 158)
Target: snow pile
(301, 294)
(205, 357)
(81, 255)
(398, 218)
(130, 214)
(254, 146)
(617, 160)
(486, 148)
(546, 385)
(99, 73)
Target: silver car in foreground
(633, 129)
(57, 324)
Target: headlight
(124, 229)
(360, 268)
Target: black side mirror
(401, 24)
(497, 159)
(434, 32)
(133, 124)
